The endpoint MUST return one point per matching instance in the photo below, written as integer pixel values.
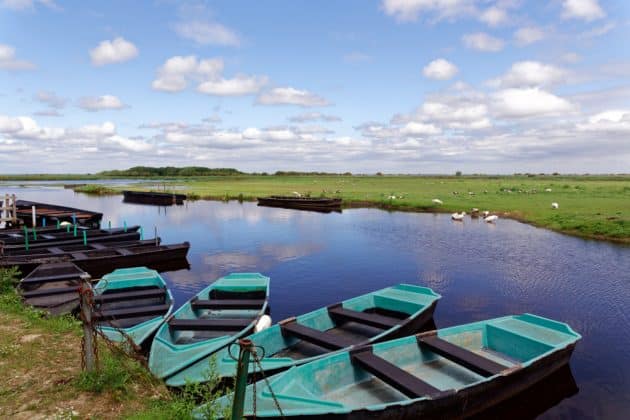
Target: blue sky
(398, 86)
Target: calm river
(481, 270)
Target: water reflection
(480, 269)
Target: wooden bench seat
(311, 335)
(374, 320)
(403, 381)
(225, 324)
(47, 292)
(45, 279)
(227, 303)
(153, 293)
(132, 312)
(461, 356)
(124, 251)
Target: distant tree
(458, 173)
(379, 174)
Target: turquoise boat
(131, 302)
(221, 313)
(391, 312)
(450, 373)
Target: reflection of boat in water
(319, 204)
(537, 399)
(155, 198)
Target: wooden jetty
(53, 213)
(320, 204)
(155, 198)
(8, 211)
(98, 262)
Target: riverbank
(40, 358)
(594, 207)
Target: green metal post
(84, 238)
(25, 239)
(67, 228)
(75, 230)
(109, 223)
(125, 225)
(242, 369)
(34, 233)
(58, 224)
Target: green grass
(590, 206)
(96, 189)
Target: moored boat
(450, 373)
(53, 213)
(151, 197)
(131, 303)
(98, 262)
(53, 288)
(302, 203)
(221, 313)
(376, 316)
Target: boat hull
(155, 198)
(315, 204)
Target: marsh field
(589, 206)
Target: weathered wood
(403, 381)
(461, 356)
(132, 312)
(311, 335)
(153, 293)
(374, 320)
(227, 303)
(226, 324)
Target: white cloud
(51, 99)
(414, 129)
(528, 35)
(28, 129)
(22, 5)
(314, 116)
(290, 96)
(356, 57)
(481, 41)
(239, 85)
(8, 61)
(96, 131)
(571, 57)
(440, 69)
(116, 51)
(598, 31)
(530, 73)
(207, 33)
(409, 10)
(101, 103)
(582, 9)
(174, 74)
(494, 16)
(129, 144)
(528, 102)
(616, 120)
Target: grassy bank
(589, 206)
(40, 358)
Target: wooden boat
(150, 197)
(54, 213)
(221, 313)
(53, 288)
(451, 373)
(99, 262)
(381, 315)
(47, 241)
(56, 251)
(131, 303)
(302, 203)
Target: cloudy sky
(413, 86)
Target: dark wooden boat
(302, 203)
(53, 287)
(102, 261)
(17, 244)
(54, 213)
(156, 198)
(61, 249)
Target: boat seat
(46, 292)
(98, 246)
(132, 312)
(403, 381)
(79, 256)
(130, 295)
(45, 236)
(124, 251)
(45, 279)
(227, 303)
(311, 335)
(461, 356)
(219, 324)
(55, 250)
(374, 320)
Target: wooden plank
(311, 335)
(131, 312)
(46, 279)
(374, 320)
(98, 246)
(219, 324)
(48, 292)
(461, 356)
(130, 295)
(55, 250)
(123, 251)
(228, 304)
(403, 381)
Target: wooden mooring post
(8, 210)
(89, 336)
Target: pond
(481, 270)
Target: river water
(481, 270)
